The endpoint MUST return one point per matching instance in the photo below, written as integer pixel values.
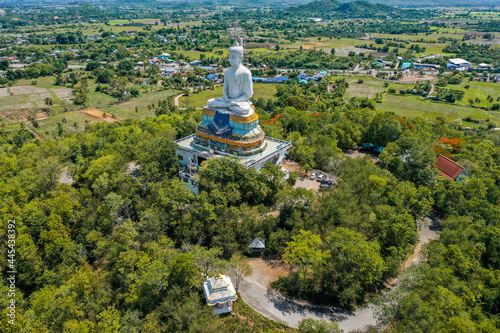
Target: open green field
(412, 106)
(479, 90)
(126, 110)
(199, 100)
(370, 86)
(116, 22)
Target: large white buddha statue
(237, 86)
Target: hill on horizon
(354, 9)
(324, 5)
(433, 3)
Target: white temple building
(220, 294)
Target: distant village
(168, 65)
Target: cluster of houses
(12, 59)
(380, 63)
(304, 78)
(317, 20)
(55, 53)
(278, 79)
(452, 65)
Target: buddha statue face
(235, 56)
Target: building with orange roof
(449, 169)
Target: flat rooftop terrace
(273, 148)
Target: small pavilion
(220, 294)
(257, 245)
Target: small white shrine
(220, 293)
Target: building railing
(251, 161)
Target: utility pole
(235, 32)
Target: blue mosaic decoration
(220, 124)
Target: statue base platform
(223, 131)
(192, 154)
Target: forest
(123, 246)
(119, 252)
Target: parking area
(304, 180)
(307, 183)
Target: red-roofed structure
(450, 169)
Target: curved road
(255, 291)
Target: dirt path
(255, 291)
(432, 90)
(176, 99)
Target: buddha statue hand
(219, 103)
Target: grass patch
(412, 106)
(369, 87)
(126, 110)
(246, 319)
(479, 90)
(48, 127)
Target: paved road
(255, 291)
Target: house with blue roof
(405, 65)
(213, 77)
(280, 79)
(302, 76)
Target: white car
(321, 177)
(313, 176)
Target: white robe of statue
(238, 87)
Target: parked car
(324, 186)
(326, 181)
(313, 176)
(321, 177)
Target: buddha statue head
(235, 54)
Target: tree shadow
(435, 223)
(289, 307)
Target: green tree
(108, 321)
(207, 261)
(239, 266)
(81, 91)
(157, 159)
(383, 129)
(296, 102)
(354, 266)
(309, 325)
(305, 253)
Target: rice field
(413, 106)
